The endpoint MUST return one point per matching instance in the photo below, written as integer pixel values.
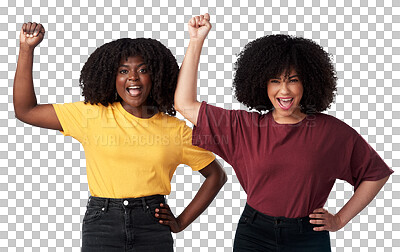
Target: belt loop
(144, 204)
(88, 201)
(300, 223)
(253, 216)
(123, 205)
(105, 207)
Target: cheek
(147, 78)
(300, 91)
(119, 81)
(271, 92)
(148, 82)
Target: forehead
(136, 59)
(286, 73)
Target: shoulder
(333, 124)
(329, 119)
(82, 105)
(81, 110)
(176, 128)
(172, 122)
(232, 113)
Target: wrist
(197, 41)
(23, 49)
(339, 220)
(181, 224)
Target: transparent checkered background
(43, 186)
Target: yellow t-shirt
(127, 156)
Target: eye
(143, 70)
(294, 80)
(123, 71)
(274, 81)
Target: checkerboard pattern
(43, 186)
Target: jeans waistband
(125, 202)
(302, 223)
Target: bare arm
(185, 95)
(215, 179)
(24, 98)
(364, 194)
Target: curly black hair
(98, 75)
(268, 57)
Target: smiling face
(133, 83)
(285, 93)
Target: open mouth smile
(285, 103)
(134, 90)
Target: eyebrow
(290, 77)
(141, 64)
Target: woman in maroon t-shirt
(288, 159)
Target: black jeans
(260, 232)
(125, 225)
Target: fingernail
(156, 210)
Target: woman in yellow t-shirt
(132, 146)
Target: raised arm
(24, 98)
(186, 91)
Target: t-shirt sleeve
(365, 164)
(193, 156)
(217, 131)
(74, 118)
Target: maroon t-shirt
(287, 169)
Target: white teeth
(286, 100)
(134, 87)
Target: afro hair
(98, 75)
(271, 56)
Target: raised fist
(31, 35)
(199, 26)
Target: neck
(144, 111)
(290, 119)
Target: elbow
(19, 111)
(180, 107)
(185, 106)
(180, 103)
(220, 174)
(223, 178)
(177, 106)
(23, 115)
(19, 115)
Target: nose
(284, 88)
(133, 76)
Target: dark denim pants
(260, 232)
(125, 225)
